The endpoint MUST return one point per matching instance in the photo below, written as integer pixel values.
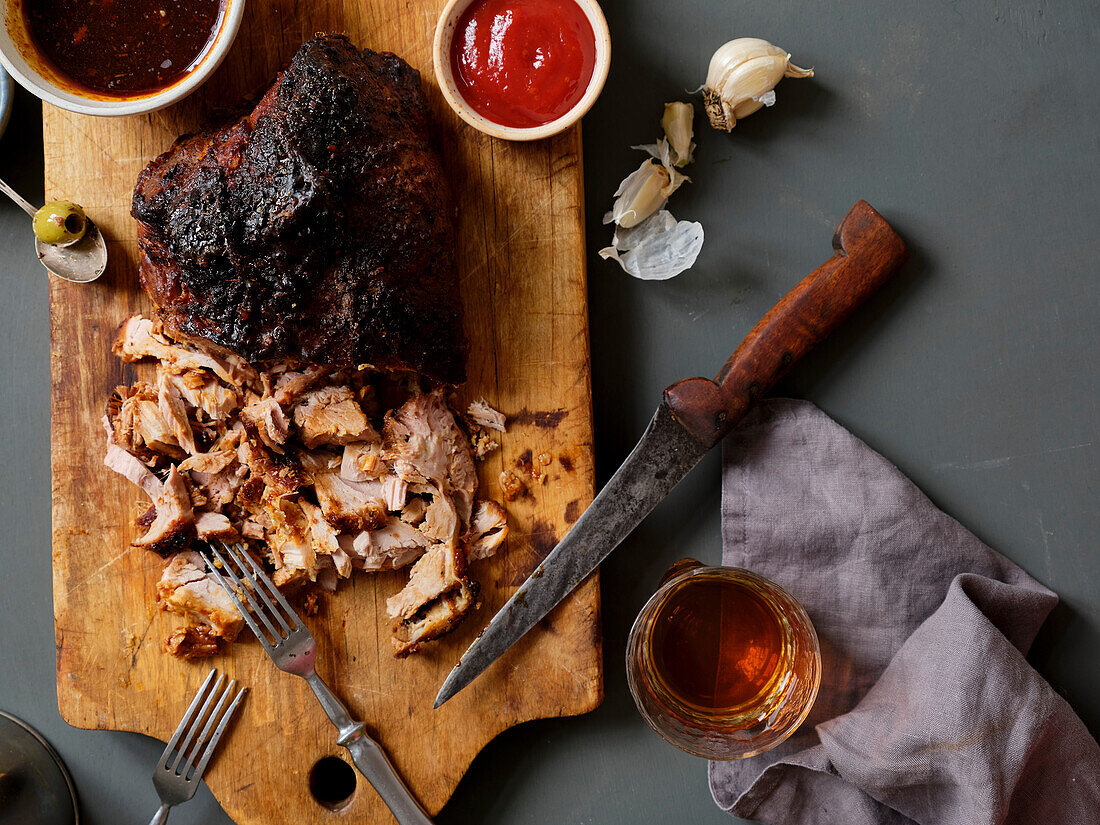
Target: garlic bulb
(677, 123)
(643, 192)
(741, 79)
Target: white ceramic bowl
(30, 71)
(5, 99)
(441, 50)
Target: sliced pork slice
(488, 530)
(173, 411)
(485, 416)
(438, 618)
(187, 589)
(201, 391)
(414, 510)
(220, 487)
(191, 642)
(290, 385)
(331, 415)
(139, 426)
(215, 527)
(436, 598)
(174, 524)
(266, 419)
(290, 541)
(393, 545)
(325, 542)
(252, 529)
(140, 337)
(441, 520)
(128, 465)
(280, 472)
(424, 444)
(208, 463)
(350, 505)
(362, 461)
(394, 490)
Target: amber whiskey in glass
(721, 662)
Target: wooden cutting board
(522, 267)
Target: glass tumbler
(722, 663)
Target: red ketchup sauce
(523, 63)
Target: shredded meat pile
(321, 470)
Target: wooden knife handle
(868, 252)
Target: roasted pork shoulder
(300, 261)
(318, 228)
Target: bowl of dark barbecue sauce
(521, 69)
(116, 57)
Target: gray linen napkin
(928, 711)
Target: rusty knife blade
(663, 456)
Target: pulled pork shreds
(480, 419)
(331, 416)
(188, 590)
(289, 460)
(173, 526)
(484, 415)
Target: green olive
(60, 222)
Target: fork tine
(241, 608)
(263, 587)
(186, 720)
(218, 731)
(199, 744)
(255, 572)
(257, 612)
(194, 726)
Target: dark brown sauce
(715, 644)
(122, 47)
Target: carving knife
(694, 416)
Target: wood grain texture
(521, 262)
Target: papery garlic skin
(677, 122)
(643, 192)
(741, 78)
(657, 249)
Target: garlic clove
(741, 78)
(677, 122)
(643, 192)
(663, 152)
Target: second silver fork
(181, 766)
(292, 648)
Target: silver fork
(292, 648)
(185, 757)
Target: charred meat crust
(318, 228)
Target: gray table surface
(971, 126)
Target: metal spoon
(79, 262)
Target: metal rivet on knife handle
(694, 416)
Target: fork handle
(161, 815)
(369, 757)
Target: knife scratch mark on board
(98, 571)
